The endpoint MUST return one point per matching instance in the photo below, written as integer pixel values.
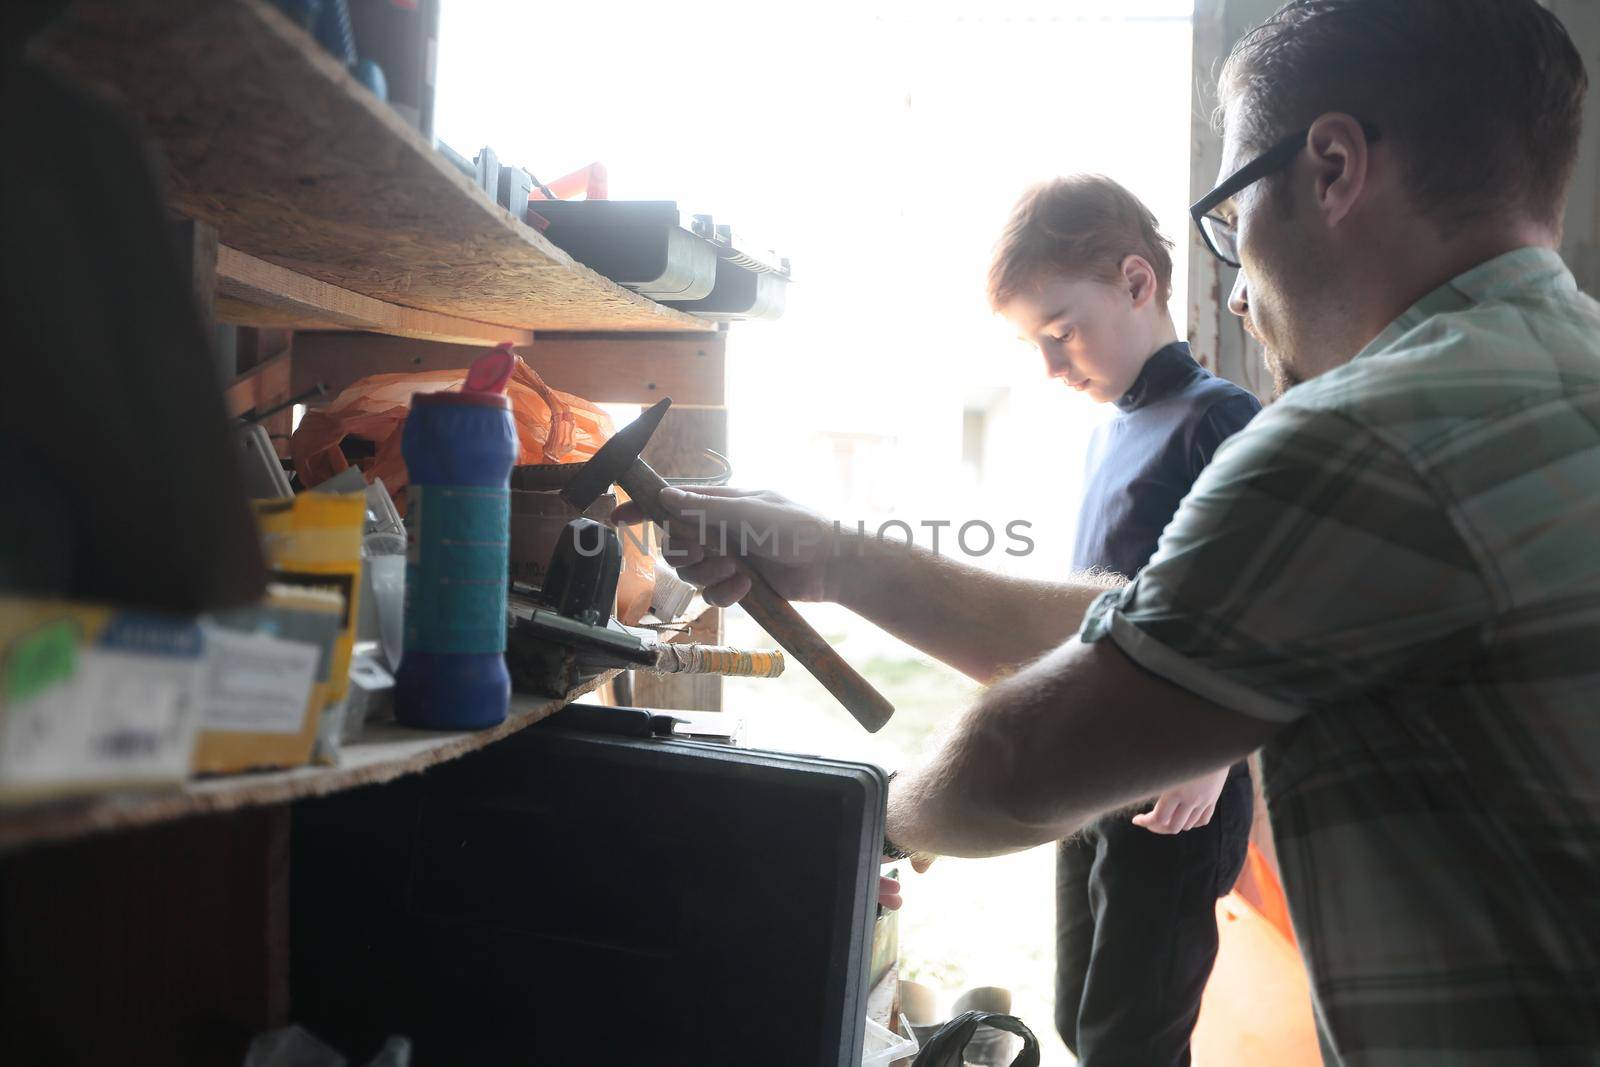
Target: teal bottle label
(457, 545)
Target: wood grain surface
(253, 292)
(271, 141)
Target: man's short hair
(1078, 227)
(1482, 99)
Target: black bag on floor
(944, 1049)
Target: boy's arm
(1187, 806)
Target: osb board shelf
(270, 140)
(253, 292)
(386, 752)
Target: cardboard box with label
(95, 698)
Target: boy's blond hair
(1081, 226)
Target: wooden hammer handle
(778, 617)
(789, 628)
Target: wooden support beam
(1217, 335)
(253, 292)
(622, 368)
(197, 248)
(265, 385)
(635, 368)
(196, 242)
(257, 344)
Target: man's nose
(1055, 362)
(1239, 299)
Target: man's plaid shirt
(1400, 562)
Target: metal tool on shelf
(643, 245)
(564, 631)
(638, 244)
(618, 462)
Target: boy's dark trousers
(1136, 930)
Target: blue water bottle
(459, 449)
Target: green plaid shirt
(1400, 562)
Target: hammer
(618, 462)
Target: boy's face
(1086, 331)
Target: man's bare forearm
(981, 623)
(1080, 732)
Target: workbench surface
(385, 753)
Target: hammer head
(614, 459)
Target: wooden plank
(165, 946)
(883, 999)
(198, 249)
(1215, 333)
(270, 140)
(677, 448)
(614, 368)
(387, 752)
(256, 345)
(254, 292)
(620, 368)
(262, 386)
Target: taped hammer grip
(789, 628)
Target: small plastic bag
(552, 427)
(946, 1048)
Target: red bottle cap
(492, 372)
(485, 385)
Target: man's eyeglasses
(1221, 235)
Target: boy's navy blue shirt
(1143, 462)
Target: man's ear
(1340, 155)
(1139, 278)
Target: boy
(1083, 274)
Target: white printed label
(257, 683)
(120, 717)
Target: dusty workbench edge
(387, 752)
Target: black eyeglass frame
(1269, 162)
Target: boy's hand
(790, 544)
(889, 889)
(1184, 807)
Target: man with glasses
(1390, 579)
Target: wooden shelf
(271, 141)
(386, 752)
(253, 292)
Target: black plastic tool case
(636, 243)
(566, 897)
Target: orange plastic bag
(552, 426)
(1257, 1004)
